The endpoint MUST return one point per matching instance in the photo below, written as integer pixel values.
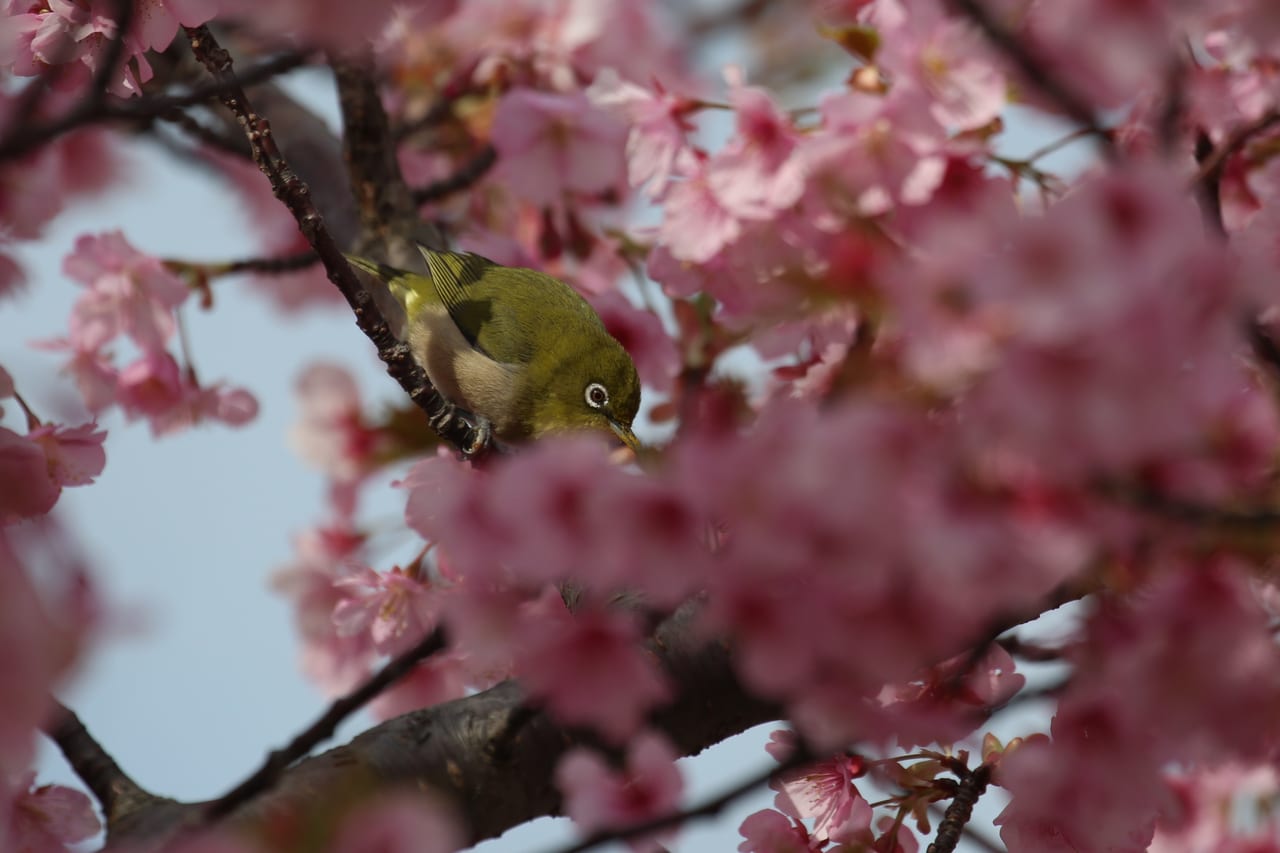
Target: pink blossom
(24, 469)
(696, 223)
(47, 818)
(157, 21)
(335, 661)
(872, 153)
(757, 173)
(943, 57)
(128, 293)
(150, 386)
(1186, 672)
(74, 455)
(73, 32)
(442, 677)
(41, 633)
(394, 608)
(399, 823)
(826, 793)
(92, 371)
(768, 831)
(1216, 810)
(657, 144)
(599, 797)
(333, 434)
(587, 666)
(550, 145)
(201, 404)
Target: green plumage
(514, 346)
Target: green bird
(517, 348)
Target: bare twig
(96, 107)
(1037, 73)
(270, 266)
(296, 196)
(709, 808)
(111, 786)
(468, 174)
(323, 728)
(207, 135)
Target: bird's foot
(481, 435)
(480, 427)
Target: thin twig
(1177, 509)
(296, 196)
(322, 729)
(712, 807)
(94, 765)
(468, 174)
(202, 133)
(1037, 73)
(96, 108)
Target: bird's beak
(625, 435)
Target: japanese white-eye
(517, 348)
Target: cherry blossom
(768, 831)
(46, 818)
(608, 683)
(394, 608)
(403, 823)
(550, 145)
(826, 793)
(128, 293)
(657, 144)
(598, 797)
(333, 432)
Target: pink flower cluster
(73, 35)
(131, 294)
(36, 466)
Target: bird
(518, 349)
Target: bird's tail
(412, 290)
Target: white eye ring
(597, 395)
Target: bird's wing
(458, 281)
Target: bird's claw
(481, 427)
(481, 436)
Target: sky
(195, 678)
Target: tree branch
(468, 174)
(709, 808)
(323, 728)
(388, 215)
(115, 791)
(296, 196)
(973, 783)
(1036, 72)
(96, 107)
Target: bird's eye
(597, 396)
